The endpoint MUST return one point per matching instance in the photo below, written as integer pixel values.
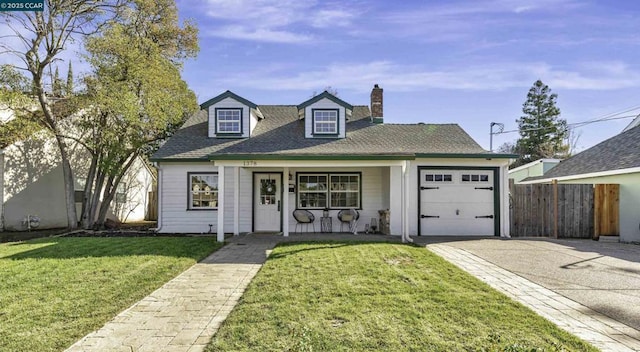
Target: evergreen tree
(68, 89)
(542, 131)
(56, 84)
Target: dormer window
(325, 121)
(228, 121)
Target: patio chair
(304, 217)
(349, 217)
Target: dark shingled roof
(619, 152)
(281, 132)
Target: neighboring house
(616, 160)
(5, 116)
(633, 124)
(236, 166)
(532, 169)
(31, 183)
(1, 189)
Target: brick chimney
(376, 104)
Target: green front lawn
(55, 291)
(379, 297)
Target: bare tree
(37, 40)
(572, 138)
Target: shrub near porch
(392, 297)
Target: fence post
(555, 208)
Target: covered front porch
(261, 196)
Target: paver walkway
(595, 328)
(186, 312)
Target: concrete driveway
(604, 276)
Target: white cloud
(331, 18)
(360, 76)
(462, 20)
(259, 34)
(274, 20)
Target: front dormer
(325, 116)
(231, 116)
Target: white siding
(324, 104)
(385, 182)
(230, 104)
(137, 183)
(381, 189)
(246, 201)
(253, 122)
(372, 196)
(174, 197)
(33, 184)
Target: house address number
(249, 163)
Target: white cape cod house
(237, 167)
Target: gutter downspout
(159, 197)
(405, 201)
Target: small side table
(326, 224)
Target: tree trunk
(88, 195)
(67, 177)
(107, 196)
(111, 190)
(51, 123)
(97, 190)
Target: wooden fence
(152, 207)
(564, 210)
(607, 210)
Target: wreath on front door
(268, 187)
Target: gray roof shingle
(619, 152)
(281, 132)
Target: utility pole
(491, 133)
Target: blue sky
(466, 62)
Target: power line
(610, 117)
(617, 113)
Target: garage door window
(438, 178)
(475, 178)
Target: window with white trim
(335, 191)
(203, 191)
(228, 121)
(345, 191)
(312, 191)
(325, 122)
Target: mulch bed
(128, 233)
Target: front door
(267, 202)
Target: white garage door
(456, 202)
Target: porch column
(220, 237)
(236, 201)
(405, 202)
(505, 221)
(285, 202)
